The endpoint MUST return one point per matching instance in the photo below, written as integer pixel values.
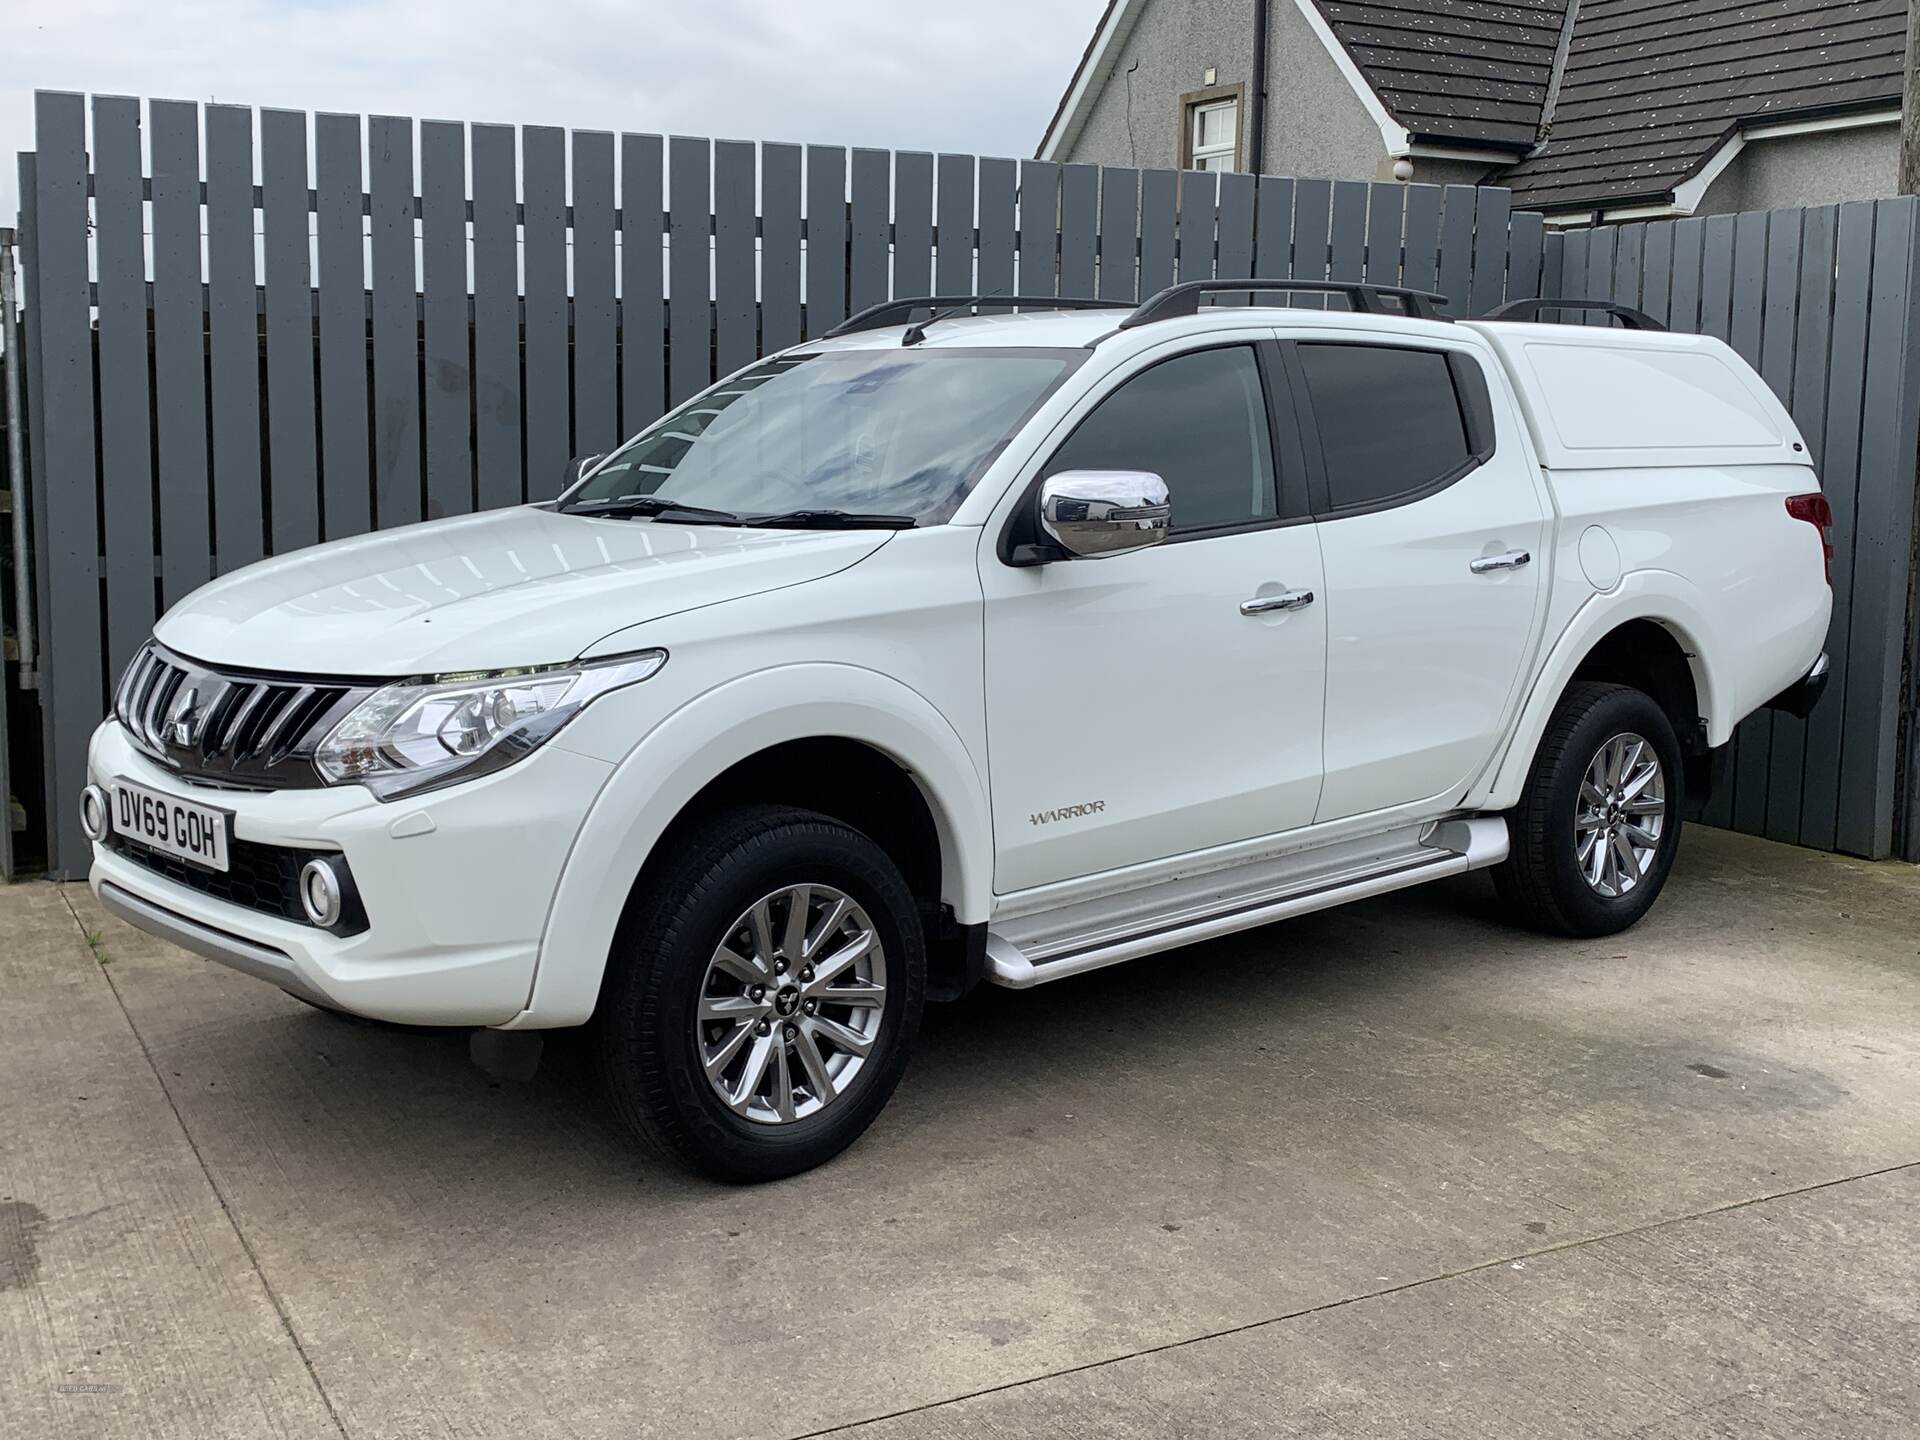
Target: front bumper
(1800, 697)
(457, 885)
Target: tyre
(763, 994)
(1598, 823)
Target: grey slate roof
(1654, 87)
(1470, 72)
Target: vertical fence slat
(1421, 270)
(1716, 319)
(734, 304)
(1119, 234)
(1753, 739)
(1526, 237)
(179, 350)
(1598, 281)
(689, 308)
(1386, 217)
(1198, 189)
(1882, 540)
(999, 198)
(1039, 227)
(126, 451)
(1553, 265)
(496, 318)
(549, 409)
(595, 376)
(1349, 235)
(77, 688)
(1312, 221)
(1156, 230)
(826, 238)
(1273, 228)
(443, 285)
(233, 328)
(396, 326)
(1629, 257)
(1656, 287)
(1493, 210)
(1808, 311)
(1840, 480)
(1689, 252)
(779, 247)
(1235, 258)
(913, 223)
(1456, 248)
(955, 222)
(346, 494)
(291, 437)
(1079, 227)
(643, 332)
(869, 275)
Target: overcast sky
(979, 76)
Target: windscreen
(899, 432)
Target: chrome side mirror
(576, 467)
(1090, 513)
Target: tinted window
(1389, 420)
(1199, 422)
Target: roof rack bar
(1529, 310)
(893, 312)
(1179, 300)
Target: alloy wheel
(791, 1006)
(1621, 815)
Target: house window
(1210, 128)
(1216, 135)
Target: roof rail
(1529, 310)
(892, 312)
(1179, 300)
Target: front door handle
(1286, 600)
(1512, 560)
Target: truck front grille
(230, 728)
(261, 878)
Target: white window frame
(1212, 100)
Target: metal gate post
(17, 491)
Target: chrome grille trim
(245, 731)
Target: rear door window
(1199, 422)
(1389, 418)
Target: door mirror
(577, 467)
(1089, 513)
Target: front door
(1434, 538)
(1134, 711)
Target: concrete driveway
(1396, 1169)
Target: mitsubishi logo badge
(183, 719)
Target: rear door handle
(1512, 560)
(1286, 600)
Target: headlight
(421, 734)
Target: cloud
(978, 76)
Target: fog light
(320, 893)
(94, 813)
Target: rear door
(1433, 526)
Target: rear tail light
(1815, 510)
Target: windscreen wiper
(830, 520)
(657, 507)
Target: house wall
(1316, 125)
(1172, 44)
(1824, 168)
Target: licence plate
(197, 834)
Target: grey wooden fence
(232, 359)
(1824, 303)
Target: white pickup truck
(993, 646)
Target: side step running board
(1452, 847)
